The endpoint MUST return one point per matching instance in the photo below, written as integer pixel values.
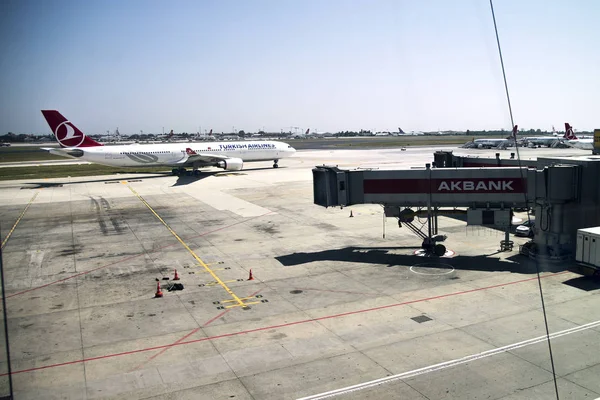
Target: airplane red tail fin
(67, 134)
(170, 135)
(569, 134)
(210, 133)
(190, 152)
(307, 131)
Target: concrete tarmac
(335, 304)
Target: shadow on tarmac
(384, 256)
(584, 283)
(181, 180)
(40, 185)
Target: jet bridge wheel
(439, 250)
(431, 247)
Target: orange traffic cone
(250, 276)
(158, 291)
(351, 215)
(176, 278)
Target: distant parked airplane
(496, 142)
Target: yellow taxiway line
(216, 283)
(18, 220)
(200, 262)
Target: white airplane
(492, 143)
(573, 141)
(541, 140)
(227, 155)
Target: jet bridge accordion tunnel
(564, 194)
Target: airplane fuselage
(541, 140)
(584, 144)
(489, 143)
(173, 154)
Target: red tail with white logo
(65, 132)
(569, 134)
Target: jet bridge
(489, 194)
(434, 187)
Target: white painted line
(448, 364)
(431, 267)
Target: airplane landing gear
(178, 171)
(275, 164)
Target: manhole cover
(421, 318)
(296, 291)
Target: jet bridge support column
(430, 242)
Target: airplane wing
(200, 158)
(203, 159)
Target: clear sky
(327, 65)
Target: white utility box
(588, 246)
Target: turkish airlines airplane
(227, 155)
(573, 141)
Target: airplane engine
(231, 164)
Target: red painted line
(225, 335)
(130, 257)
(210, 321)
(165, 349)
